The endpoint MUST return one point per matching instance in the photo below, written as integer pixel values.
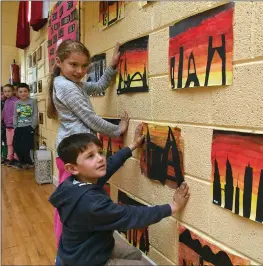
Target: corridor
(27, 220)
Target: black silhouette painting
(201, 49)
(132, 73)
(237, 173)
(110, 12)
(111, 144)
(161, 155)
(194, 250)
(98, 67)
(137, 237)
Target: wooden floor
(27, 219)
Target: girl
(25, 122)
(69, 98)
(7, 116)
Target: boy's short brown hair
(70, 147)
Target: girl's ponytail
(51, 109)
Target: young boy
(88, 214)
(25, 122)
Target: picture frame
(39, 53)
(39, 86)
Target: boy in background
(25, 122)
(88, 214)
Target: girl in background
(3, 130)
(7, 117)
(69, 99)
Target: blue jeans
(59, 262)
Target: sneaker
(5, 161)
(12, 163)
(31, 165)
(18, 166)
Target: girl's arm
(102, 84)
(15, 115)
(107, 77)
(35, 113)
(70, 95)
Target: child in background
(3, 131)
(7, 116)
(88, 214)
(69, 98)
(25, 122)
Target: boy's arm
(15, 115)
(35, 113)
(104, 214)
(107, 215)
(114, 163)
(102, 84)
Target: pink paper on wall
(63, 24)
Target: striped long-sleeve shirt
(76, 113)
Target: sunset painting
(110, 12)
(195, 250)
(237, 173)
(201, 49)
(137, 237)
(111, 144)
(132, 73)
(161, 154)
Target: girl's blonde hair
(63, 52)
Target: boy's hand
(138, 138)
(180, 198)
(124, 123)
(116, 56)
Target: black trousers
(23, 142)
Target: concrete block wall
(196, 111)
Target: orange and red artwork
(111, 144)
(110, 12)
(195, 250)
(237, 173)
(201, 49)
(161, 154)
(137, 237)
(132, 73)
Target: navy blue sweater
(89, 217)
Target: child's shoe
(12, 163)
(18, 166)
(5, 161)
(31, 165)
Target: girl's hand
(124, 123)
(138, 138)
(116, 56)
